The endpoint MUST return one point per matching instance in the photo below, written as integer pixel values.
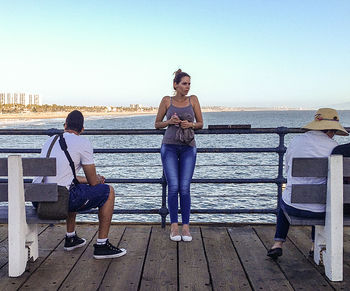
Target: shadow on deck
(218, 258)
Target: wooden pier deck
(218, 258)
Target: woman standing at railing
(178, 150)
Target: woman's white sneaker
(187, 238)
(175, 237)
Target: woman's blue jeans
(282, 226)
(178, 165)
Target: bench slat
(33, 192)
(32, 166)
(309, 193)
(294, 220)
(31, 216)
(310, 167)
(346, 167)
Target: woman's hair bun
(177, 72)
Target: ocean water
(220, 165)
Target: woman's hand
(186, 124)
(174, 120)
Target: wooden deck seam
(110, 260)
(178, 265)
(144, 259)
(240, 260)
(206, 258)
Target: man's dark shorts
(84, 197)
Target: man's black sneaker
(107, 251)
(73, 242)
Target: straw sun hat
(326, 118)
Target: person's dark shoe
(274, 253)
(107, 251)
(311, 253)
(73, 242)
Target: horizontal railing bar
(204, 165)
(193, 211)
(52, 131)
(196, 181)
(156, 150)
(238, 195)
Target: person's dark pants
(84, 197)
(178, 164)
(282, 225)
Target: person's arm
(90, 175)
(197, 114)
(163, 107)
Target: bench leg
(32, 241)
(320, 243)
(333, 256)
(17, 225)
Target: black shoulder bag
(58, 209)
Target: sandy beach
(63, 114)
(50, 115)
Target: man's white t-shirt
(79, 148)
(312, 144)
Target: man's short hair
(75, 121)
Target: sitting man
(316, 142)
(90, 192)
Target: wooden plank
(88, 273)
(125, 273)
(32, 166)
(33, 192)
(263, 273)
(310, 167)
(225, 268)
(296, 267)
(57, 266)
(300, 236)
(193, 268)
(48, 241)
(309, 193)
(160, 269)
(31, 216)
(3, 232)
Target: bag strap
(64, 148)
(49, 152)
(51, 146)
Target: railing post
(163, 211)
(281, 131)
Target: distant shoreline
(63, 114)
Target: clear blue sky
(239, 53)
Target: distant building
(135, 106)
(22, 98)
(36, 100)
(9, 98)
(2, 98)
(15, 98)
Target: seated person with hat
(316, 142)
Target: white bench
(328, 231)
(22, 220)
